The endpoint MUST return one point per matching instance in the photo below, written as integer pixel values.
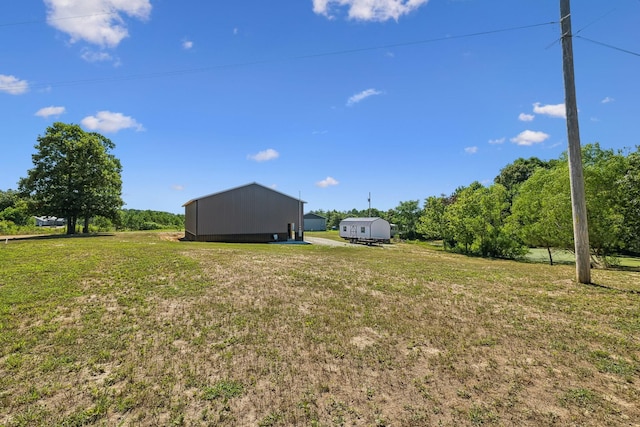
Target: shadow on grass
(55, 236)
(609, 288)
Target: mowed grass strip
(140, 329)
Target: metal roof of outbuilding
(362, 220)
(239, 187)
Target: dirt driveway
(324, 242)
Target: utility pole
(578, 202)
(369, 200)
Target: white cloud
(497, 141)
(526, 117)
(177, 187)
(554, 110)
(97, 56)
(109, 122)
(236, 31)
(362, 96)
(98, 22)
(12, 85)
(530, 137)
(264, 156)
(607, 100)
(50, 111)
(368, 10)
(327, 182)
(471, 150)
(187, 44)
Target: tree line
(529, 205)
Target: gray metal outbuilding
(250, 213)
(314, 222)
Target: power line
(40, 21)
(609, 46)
(271, 61)
(593, 22)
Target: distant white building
(49, 221)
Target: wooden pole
(578, 202)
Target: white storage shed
(365, 230)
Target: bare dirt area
(174, 236)
(324, 242)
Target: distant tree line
(17, 217)
(529, 205)
(133, 219)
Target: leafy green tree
(630, 187)
(515, 174)
(541, 212)
(477, 222)
(8, 199)
(606, 200)
(18, 213)
(432, 224)
(542, 209)
(406, 216)
(74, 176)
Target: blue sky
(327, 99)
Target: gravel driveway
(324, 242)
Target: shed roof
(362, 220)
(239, 187)
(313, 216)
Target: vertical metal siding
(249, 210)
(190, 218)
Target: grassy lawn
(566, 257)
(141, 329)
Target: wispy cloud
(358, 97)
(99, 56)
(551, 110)
(471, 150)
(368, 10)
(526, 117)
(607, 100)
(327, 182)
(50, 111)
(13, 85)
(497, 141)
(109, 122)
(530, 137)
(99, 22)
(177, 187)
(264, 156)
(187, 44)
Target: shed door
(353, 231)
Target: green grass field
(142, 329)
